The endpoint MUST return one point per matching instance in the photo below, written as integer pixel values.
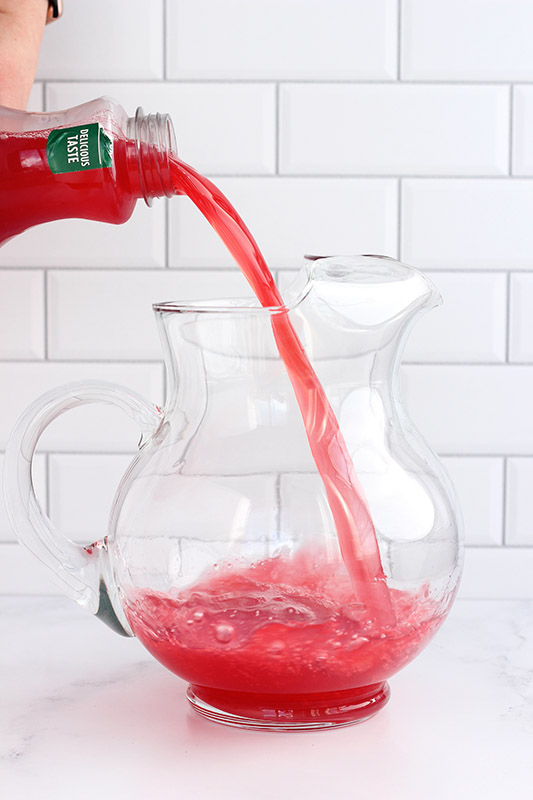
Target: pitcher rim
(246, 306)
(230, 305)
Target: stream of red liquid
(353, 523)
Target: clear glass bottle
(91, 161)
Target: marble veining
(86, 712)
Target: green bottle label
(79, 148)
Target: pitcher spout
(362, 305)
(372, 290)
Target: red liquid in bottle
(30, 193)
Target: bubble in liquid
(277, 647)
(224, 632)
(198, 616)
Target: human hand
(21, 29)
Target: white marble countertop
(86, 713)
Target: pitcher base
(269, 712)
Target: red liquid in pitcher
(286, 627)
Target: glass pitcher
(222, 555)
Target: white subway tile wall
(402, 127)
(88, 428)
(521, 318)
(454, 332)
(479, 486)
(40, 484)
(22, 330)
(84, 243)
(82, 488)
(468, 223)
(519, 501)
(36, 101)
(476, 40)
(465, 409)
(112, 317)
(293, 216)
(398, 128)
(119, 40)
(282, 39)
(522, 124)
(222, 128)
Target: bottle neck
(151, 143)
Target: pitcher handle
(82, 573)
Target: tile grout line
(164, 43)
(476, 455)
(84, 453)
(48, 509)
(362, 81)
(278, 507)
(167, 234)
(278, 133)
(511, 112)
(488, 547)
(56, 594)
(399, 42)
(119, 362)
(46, 315)
(144, 362)
(377, 176)
(508, 320)
(431, 270)
(129, 453)
(469, 364)
(164, 387)
(504, 501)
(399, 218)
(227, 268)
(360, 176)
